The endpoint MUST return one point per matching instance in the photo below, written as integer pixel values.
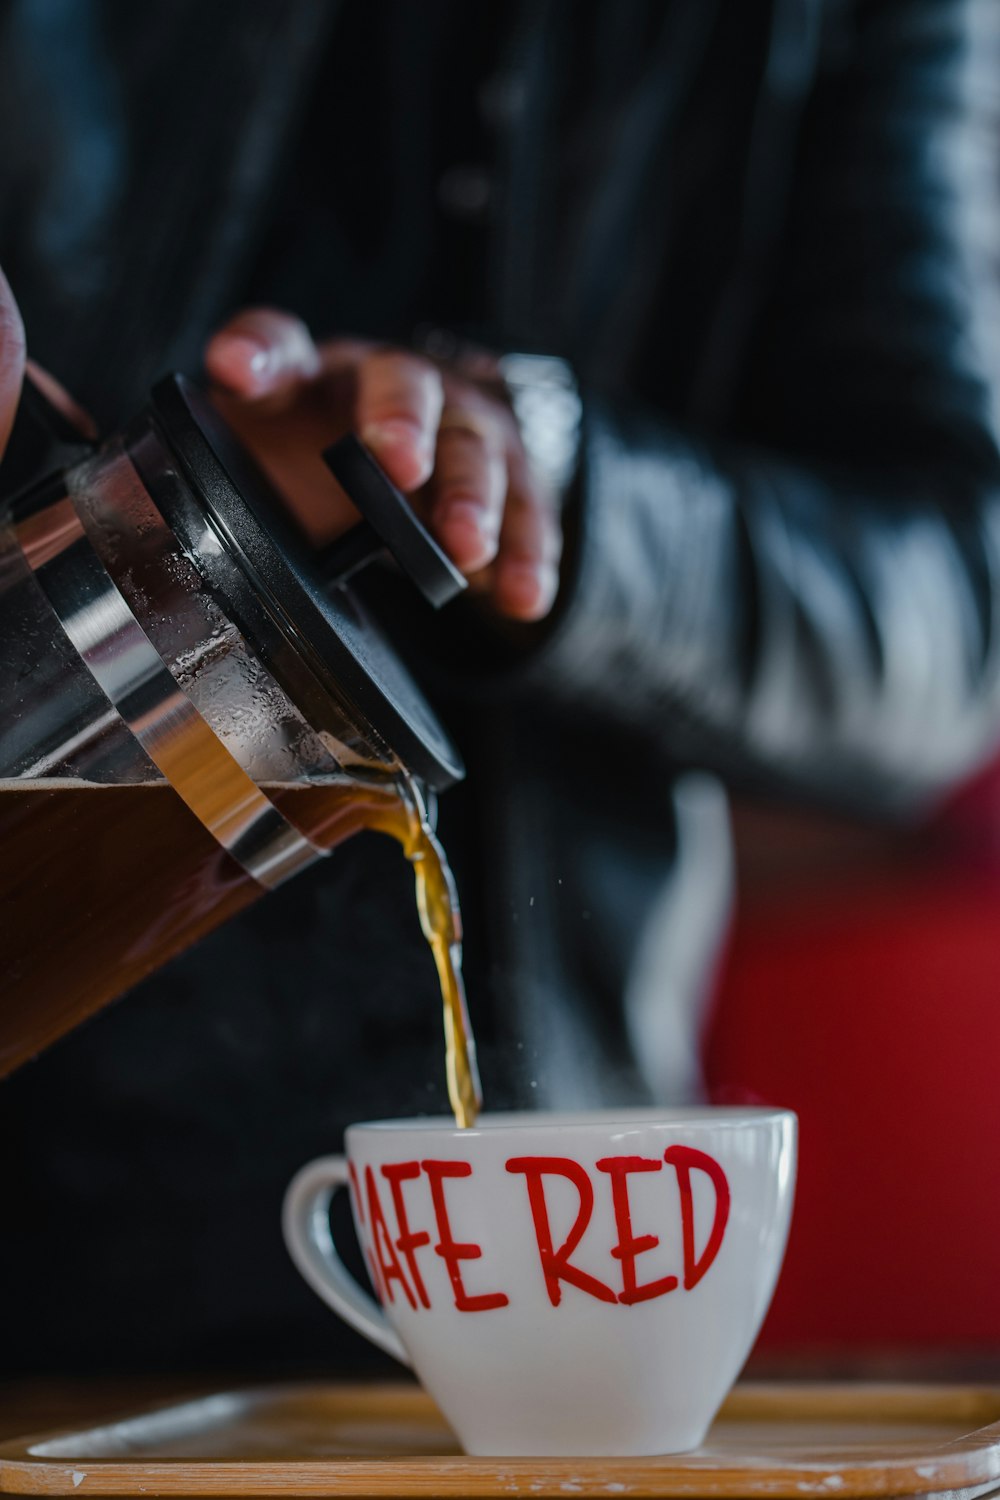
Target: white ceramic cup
(561, 1284)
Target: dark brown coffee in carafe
(154, 881)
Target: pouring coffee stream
(441, 923)
(195, 709)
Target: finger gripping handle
(305, 1221)
(388, 522)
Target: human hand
(445, 437)
(11, 360)
(13, 367)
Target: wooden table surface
(771, 1441)
(39, 1404)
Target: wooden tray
(782, 1442)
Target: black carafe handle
(42, 442)
(388, 525)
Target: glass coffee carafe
(194, 706)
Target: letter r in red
(556, 1265)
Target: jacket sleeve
(815, 600)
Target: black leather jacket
(766, 235)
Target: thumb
(262, 354)
(11, 360)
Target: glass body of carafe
(191, 711)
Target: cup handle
(305, 1221)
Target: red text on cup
(394, 1259)
(556, 1264)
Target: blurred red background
(862, 989)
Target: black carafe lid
(295, 604)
